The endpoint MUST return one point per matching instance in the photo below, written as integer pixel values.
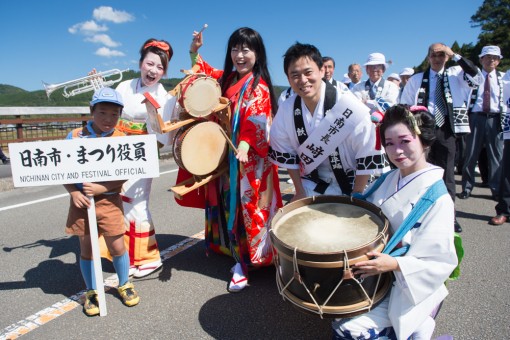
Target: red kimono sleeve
(208, 69)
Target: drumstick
(228, 140)
(203, 28)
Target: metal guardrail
(22, 124)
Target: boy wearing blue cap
(105, 107)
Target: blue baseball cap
(107, 95)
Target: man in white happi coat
(453, 87)
(322, 135)
(286, 94)
(377, 93)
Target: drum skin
(320, 273)
(200, 95)
(199, 148)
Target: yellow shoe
(91, 305)
(129, 295)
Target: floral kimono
(239, 205)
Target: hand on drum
(298, 195)
(381, 263)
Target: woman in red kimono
(239, 206)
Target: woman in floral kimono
(418, 290)
(239, 206)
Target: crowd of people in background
(471, 99)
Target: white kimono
(357, 152)
(419, 285)
(134, 110)
(141, 236)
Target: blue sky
(57, 41)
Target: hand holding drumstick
(241, 152)
(197, 40)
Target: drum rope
(375, 291)
(347, 268)
(384, 238)
(279, 284)
(298, 275)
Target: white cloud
(103, 39)
(88, 28)
(106, 52)
(107, 13)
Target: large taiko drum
(317, 240)
(199, 148)
(199, 95)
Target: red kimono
(239, 205)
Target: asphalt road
(188, 299)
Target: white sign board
(82, 160)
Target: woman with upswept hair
(140, 237)
(421, 253)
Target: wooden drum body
(199, 95)
(317, 240)
(199, 148)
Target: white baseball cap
(407, 71)
(492, 50)
(394, 76)
(107, 95)
(375, 59)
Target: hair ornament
(412, 120)
(415, 108)
(159, 44)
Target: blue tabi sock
(121, 265)
(87, 271)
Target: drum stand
(195, 182)
(221, 114)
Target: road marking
(58, 196)
(33, 202)
(168, 172)
(46, 315)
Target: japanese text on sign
(84, 160)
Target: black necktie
(440, 105)
(486, 107)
